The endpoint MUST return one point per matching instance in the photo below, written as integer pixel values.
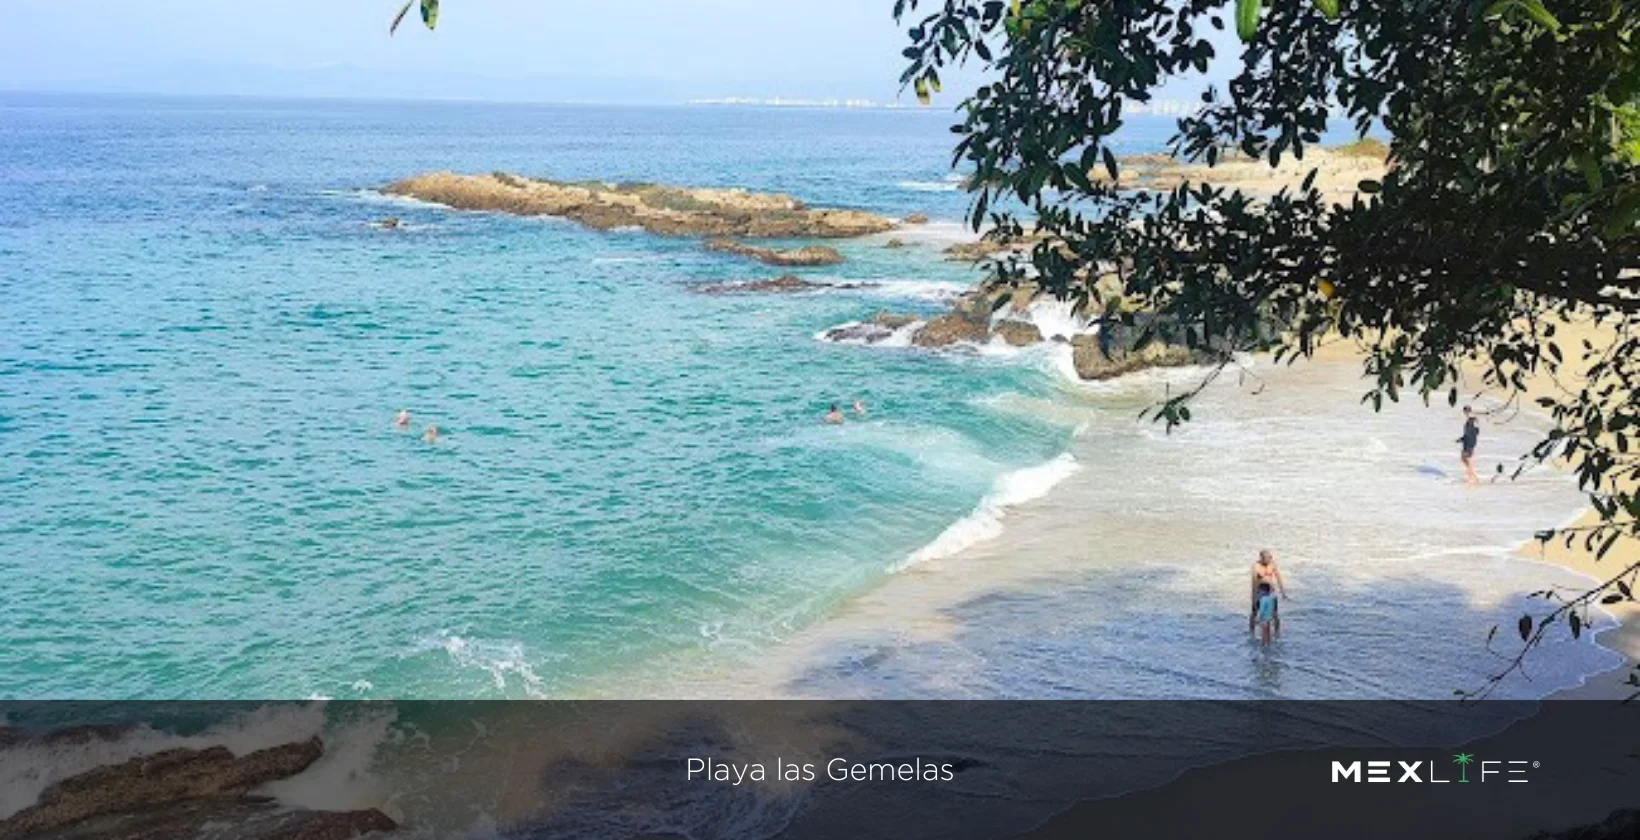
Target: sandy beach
(1625, 637)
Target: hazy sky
(551, 50)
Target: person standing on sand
(834, 417)
(1471, 436)
(1266, 578)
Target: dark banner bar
(946, 770)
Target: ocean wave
(950, 183)
(366, 196)
(984, 523)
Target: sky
(502, 50)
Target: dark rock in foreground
(181, 793)
(245, 818)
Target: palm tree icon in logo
(1463, 761)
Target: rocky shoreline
(658, 209)
(1001, 312)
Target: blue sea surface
(204, 341)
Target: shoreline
(1622, 638)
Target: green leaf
(399, 18)
(1247, 12)
(1533, 9)
(1328, 8)
(1538, 12)
(429, 13)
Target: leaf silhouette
(399, 18)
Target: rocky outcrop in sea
(659, 209)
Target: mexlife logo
(1432, 772)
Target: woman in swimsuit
(1265, 572)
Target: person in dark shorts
(1471, 436)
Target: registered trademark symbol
(1535, 765)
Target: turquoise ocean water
(204, 340)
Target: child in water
(1266, 612)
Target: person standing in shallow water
(1266, 578)
(1471, 436)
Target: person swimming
(834, 417)
(431, 435)
(402, 419)
(860, 408)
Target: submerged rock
(810, 255)
(671, 211)
(917, 219)
(894, 243)
(881, 327)
(785, 283)
(863, 333)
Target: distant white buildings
(783, 102)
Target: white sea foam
(985, 521)
(938, 291)
(929, 186)
(949, 183)
(502, 659)
(900, 337)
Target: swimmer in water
(834, 417)
(402, 419)
(431, 435)
(860, 408)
